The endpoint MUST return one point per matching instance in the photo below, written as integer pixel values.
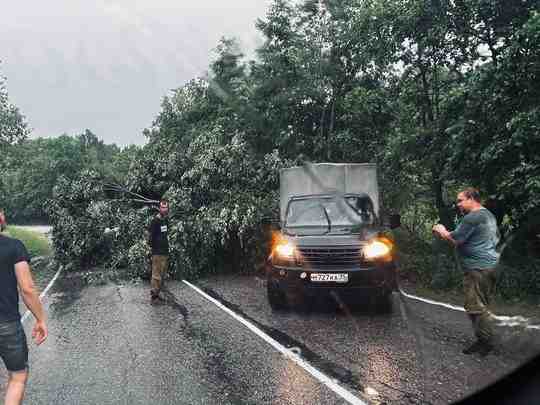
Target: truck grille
(328, 257)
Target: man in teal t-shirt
(476, 239)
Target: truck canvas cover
(328, 178)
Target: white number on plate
(331, 277)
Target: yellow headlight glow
(285, 249)
(376, 249)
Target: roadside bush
(436, 266)
(519, 272)
(431, 264)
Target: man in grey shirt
(475, 239)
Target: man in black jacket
(159, 243)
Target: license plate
(330, 277)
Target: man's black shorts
(13, 347)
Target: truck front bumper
(380, 278)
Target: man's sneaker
(482, 348)
(157, 298)
(154, 299)
(475, 347)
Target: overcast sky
(106, 64)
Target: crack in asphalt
(334, 370)
(133, 356)
(174, 303)
(215, 362)
(214, 356)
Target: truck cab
(330, 239)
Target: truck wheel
(276, 298)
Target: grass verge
(36, 243)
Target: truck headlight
(377, 249)
(285, 250)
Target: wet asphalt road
(412, 355)
(107, 345)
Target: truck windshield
(345, 214)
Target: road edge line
(43, 293)
(317, 374)
(505, 320)
(432, 302)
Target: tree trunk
(445, 213)
(330, 131)
(233, 252)
(323, 134)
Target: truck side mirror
(395, 221)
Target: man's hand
(40, 333)
(443, 233)
(439, 230)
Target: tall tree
(497, 138)
(13, 127)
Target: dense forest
(440, 94)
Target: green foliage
(32, 168)
(78, 235)
(441, 94)
(13, 127)
(496, 138)
(89, 229)
(220, 203)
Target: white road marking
(43, 293)
(290, 354)
(510, 321)
(427, 301)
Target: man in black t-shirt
(159, 243)
(15, 272)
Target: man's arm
(460, 235)
(31, 300)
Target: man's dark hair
(472, 193)
(164, 201)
